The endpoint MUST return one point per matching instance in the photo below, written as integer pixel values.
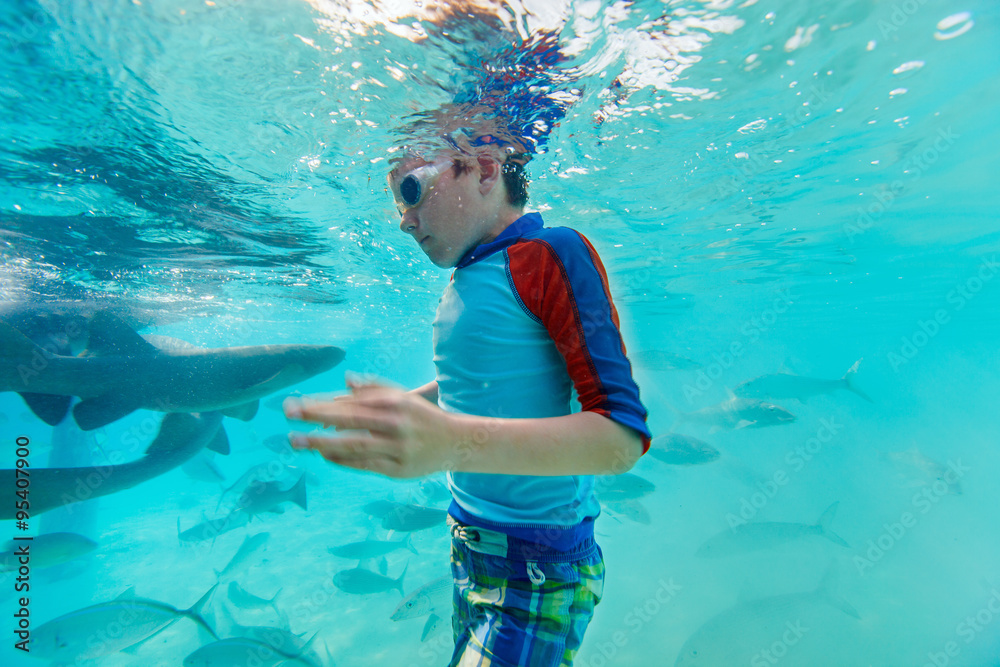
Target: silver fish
(681, 450)
(361, 582)
(209, 529)
(768, 534)
(270, 471)
(243, 558)
(267, 496)
(737, 413)
(72, 636)
(278, 443)
(405, 518)
(632, 510)
(627, 486)
(241, 651)
(786, 385)
(434, 596)
(737, 635)
(46, 550)
(246, 600)
(370, 548)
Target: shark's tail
(849, 382)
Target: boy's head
(453, 200)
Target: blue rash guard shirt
(526, 319)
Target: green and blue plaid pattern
(512, 613)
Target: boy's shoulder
(562, 240)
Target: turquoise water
(773, 187)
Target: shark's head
(301, 362)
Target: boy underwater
(526, 318)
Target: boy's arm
(408, 437)
(428, 391)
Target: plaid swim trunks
(517, 604)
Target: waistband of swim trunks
(496, 543)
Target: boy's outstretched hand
(407, 435)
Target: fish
(435, 595)
(181, 436)
(84, 633)
(659, 360)
(46, 550)
(278, 443)
(682, 450)
(121, 372)
(433, 600)
(737, 413)
(239, 651)
(379, 509)
(203, 469)
(787, 385)
(246, 600)
(632, 510)
(209, 529)
(370, 548)
(257, 474)
(288, 643)
(747, 537)
(405, 518)
(263, 497)
(917, 470)
(626, 486)
(737, 635)
(360, 581)
(243, 558)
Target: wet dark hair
(515, 178)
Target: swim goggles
(415, 185)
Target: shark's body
(181, 437)
(121, 372)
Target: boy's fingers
(355, 451)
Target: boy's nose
(408, 221)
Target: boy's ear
(490, 172)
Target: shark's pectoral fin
(111, 336)
(244, 412)
(50, 408)
(97, 412)
(220, 442)
(744, 423)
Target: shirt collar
(529, 222)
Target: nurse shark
(120, 372)
(181, 436)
